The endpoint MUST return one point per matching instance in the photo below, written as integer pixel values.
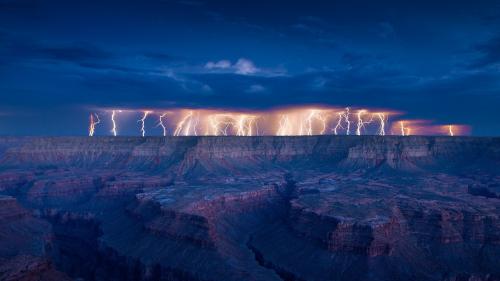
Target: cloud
(319, 83)
(371, 87)
(245, 67)
(489, 53)
(222, 64)
(16, 48)
(256, 88)
(242, 66)
(81, 56)
(188, 84)
(72, 53)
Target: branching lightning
(305, 122)
(306, 127)
(93, 123)
(143, 121)
(382, 117)
(292, 121)
(187, 126)
(218, 124)
(285, 126)
(180, 126)
(244, 125)
(160, 123)
(361, 123)
(223, 124)
(339, 123)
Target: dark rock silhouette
(250, 208)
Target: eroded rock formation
(250, 208)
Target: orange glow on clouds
(289, 121)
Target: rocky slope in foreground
(250, 208)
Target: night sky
(61, 60)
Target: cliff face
(186, 152)
(250, 208)
(23, 244)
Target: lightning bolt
(382, 118)
(227, 123)
(322, 119)
(283, 122)
(256, 127)
(195, 125)
(285, 126)
(405, 131)
(220, 124)
(361, 123)
(339, 123)
(214, 124)
(93, 123)
(348, 122)
(186, 125)
(244, 124)
(142, 121)
(314, 114)
(160, 123)
(308, 123)
(113, 121)
(180, 125)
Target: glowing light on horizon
(290, 121)
(405, 131)
(223, 124)
(244, 125)
(285, 127)
(187, 126)
(219, 124)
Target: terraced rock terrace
(250, 208)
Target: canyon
(250, 208)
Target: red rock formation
(257, 208)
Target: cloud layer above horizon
(60, 59)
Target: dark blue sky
(59, 60)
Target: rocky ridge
(251, 208)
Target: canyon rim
(250, 208)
